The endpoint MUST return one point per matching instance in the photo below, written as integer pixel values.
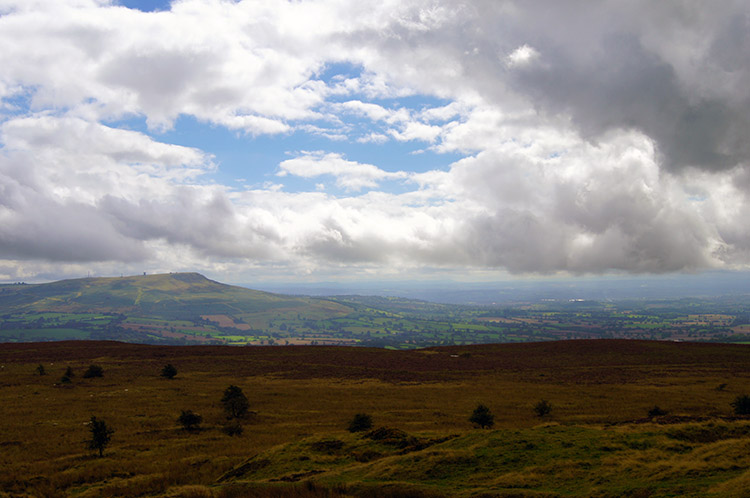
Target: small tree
(232, 429)
(169, 371)
(190, 421)
(93, 371)
(234, 402)
(40, 370)
(69, 373)
(482, 417)
(741, 405)
(360, 422)
(101, 435)
(542, 408)
(656, 411)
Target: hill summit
(169, 295)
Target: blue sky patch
(146, 5)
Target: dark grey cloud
(676, 71)
(630, 88)
(623, 78)
(336, 244)
(35, 227)
(188, 217)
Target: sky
(331, 140)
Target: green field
(24, 335)
(187, 308)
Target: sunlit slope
(166, 295)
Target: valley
(187, 308)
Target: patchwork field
(187, 308)
(598, 440)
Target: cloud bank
(594, 138)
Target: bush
(234, 429)
(40, 370)
(190, 421)
(93, 371)
(69, 373)
(169, 371)
(64, 379)
(542, 408)
(741, 405)
(656, 412)
(101, 435)
(482, 417)
(360, 422)
(234, 402)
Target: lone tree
(234, 402)
(360, 422)
(741, 405)
(40, 370)
(93, 371)
(542, 408)
(69, 373)
(656, 411)
(232, 429)
(482, 417)
(190, 421)
(169, 371)
(100, 435)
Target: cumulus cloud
(350, 175)
(225, 63)
(53, 174)
(593, 137)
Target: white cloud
(417, 131)
(606, 137)
(376, 138)
(350, 175)
(374, 112)
(230, 64)
(522, 56)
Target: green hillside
(182, 308)
(175, 307)
(173, 295)
(648, 459)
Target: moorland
(602, 438)
(187, 308)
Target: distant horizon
(486, 292)
(599, 288)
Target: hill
(173, 295)
(187, 308)
(148, 308)
(598, 440)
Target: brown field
(226, 321)
(302, 392)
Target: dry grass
(298, 393)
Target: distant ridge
(169, 295)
